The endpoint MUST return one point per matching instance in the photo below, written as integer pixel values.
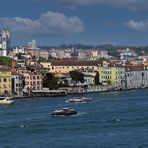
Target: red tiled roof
(134, 68)
(73, 63)
(15, 73)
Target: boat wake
(81, 113)
(23, 126)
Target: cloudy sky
(54, 22)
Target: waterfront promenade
(76, 90)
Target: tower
(4, 42)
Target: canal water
(112, 120)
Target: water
(112, 120)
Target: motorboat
(79, 100)
(6, 100)
(64, 112)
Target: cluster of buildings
(30, 65)
(79, 54)
(16, 84)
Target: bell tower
(4, 42)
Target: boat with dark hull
(79, 100)
(64, 112)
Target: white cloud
(49, 23)
(141, 26)
(131, 4)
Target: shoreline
(40, 96)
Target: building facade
(136, 77)
(111, 74)
(17, 84)
(5, 81)
(33, 81)
(65, 66)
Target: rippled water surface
(112, 120)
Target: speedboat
(64, 112)
(79, 100)
(6, 100)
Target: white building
(127, 54)
(17, 84)
(33, 44)
(61, 53)
(136, 77)
(18, 50)
(4, 42)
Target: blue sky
(95, 22)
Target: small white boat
(79, 100)
(6, 100)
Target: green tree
(77, 76)
(19, 56)
(50, 81)
(41, 59)
(97, 78)
(30, 68)
(63, 84)
(5, 61)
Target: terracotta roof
(74, 63)
(33, 73)
(4, 68)
(15, 73)
(134, 68)
(115, 65)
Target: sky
(91, 22)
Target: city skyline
(95, 22)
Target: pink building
(33, 81)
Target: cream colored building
(5, 81)
(65, 66)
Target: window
(4, 85)
(5, 80)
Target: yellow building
(111, 74)
(5, 81)
(65, 66)
(146, 63)
(46, 64)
